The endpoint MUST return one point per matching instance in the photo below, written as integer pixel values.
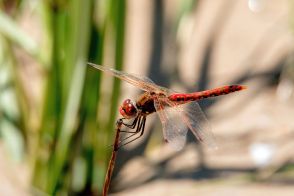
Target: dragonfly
(178, 112)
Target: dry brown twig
(111, 163)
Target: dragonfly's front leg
(132, 125)
(140, 129)
(137, 121)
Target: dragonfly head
(128, 109)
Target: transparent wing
(193, 117)
(174, 131)
(141, 82)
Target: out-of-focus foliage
(58, 130)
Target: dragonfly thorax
(128, 109)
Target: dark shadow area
(155, 73)
(157, 76)
(202, 174)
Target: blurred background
(57, 115)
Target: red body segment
(186, 97)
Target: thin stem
(111, 163)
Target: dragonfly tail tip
(243, 87)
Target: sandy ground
(224, 188)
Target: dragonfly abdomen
(182, 97)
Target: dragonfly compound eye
(128, 109)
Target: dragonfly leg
(137, 123)
(140, 129)
(133, 132)
(133, 124)
(120, 121)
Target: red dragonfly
(178, 112)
